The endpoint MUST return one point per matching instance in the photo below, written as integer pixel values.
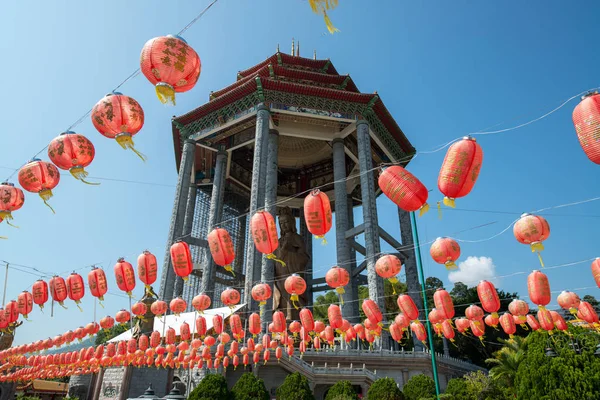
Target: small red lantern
(73, 152)
(107, 322)
(182, 260)
(474, 313)
(486, 291)
(532, 322)
(545, 319)
(404, 189)
(307, 320)
(447, 330)
(201, 302)
(123, 317)
(147, 266)
(568, 301)
(11, 199)
(254, 325)
(587, 313)
(279, 325)
(97, 283)
(158, 308)
(119, 117)
(221, 248)
(478, 329)
(177, 305)
(402, 321)
(334, 314)
(171, 65)
(337, 278)
(264, 234)
(58, 290)
(139, 309)
(518, 307)
(261, 293)
(559, 321)
(388, 267)
(532, 230)
(586, 118)
(408, 307)
(372, 311)
(418, 330)
(235, 324)
(75, 288)
(25, 303)
(445, 251)
(460, 170)
(125, 276)
(492, 320)
(230, 297)
(508, 324)
(201, 326)
(317, 214)
(39, 177)
(443, 303)
(40, 293)
(295, 285)
(596, 270)
(539, 288)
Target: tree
(104, 336)
(342, 390)
(482, 387)
(212, 387)
(295, 387)
(249, 387)
(419, 386)
(458, 388)
(385, 389)
(506, 361)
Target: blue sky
(442, 68)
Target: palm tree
(506, 361)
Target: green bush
(212, 387)
(342, 390)
(295, 387)
(249, 387)
(419, 386)
(457, 387)
(384, 389)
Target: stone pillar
(253, 257)
(98, 385)
(367, 187)
(353, 282)
(124, 393)
(167, 284)
(240, 246)
(190, 209)
(267, 273)
(410, 266)
(446, 348)
(350, 307)
(215, 215)
(308, 241)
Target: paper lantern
(404, 189)
(221, 248)
(445, 251)
(261, 292)
(295, 285)
(119, 117)
(317, 214)
(418, 330)
(122, 317)
(486, 291)
(58, 290)
(508, 324)
(158, 308)
(478, 329)
(492, 320)
(532, 230)
(39, 177)
(97, 283)
(587, 313)
(307, 320)
(388, 267)
(40, 293)
(372, 311)
(568, 301)
(334, 314)
(217, 321)
(147, 267)
(460, 169)
(586, 118)
(319, 326)
(177, 305)
(72, 152)
(279, 325)
(408, 307)
(447, 330)
(201, 302)
(443, 303)
(518, 307)
(474, 313)
(107, 322)
(402, 321)
(559, 321)
(337, 278)
(75, 288)
(520, 320)
(124, 276)
(532, 322)
(230, 297)
(538, 288)
(201, 326)
(235, 324)
(139, 309)
(435, 317)
(24, 303)
(182, 260)
(11, 199)
(264, 234)
(596, 271)
(545, 319)
(171, 65)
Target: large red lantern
(317, 214)
(230, 297)
(586, 118)
(147, 267)
(75, 288)
(40, 293)
(11, 199)
(404, 189)
(443, 303)
(460, 169)
(73, 152)
(532, 230)
(25, 303)
(518, 307)
(408, 307)
(221, 248)
(388, 267)
(264, 234)
(119, 117)
(261, 293)
(39, 177)
(124, 276)
(445, 251)
(337, 278)
(181, 258)
(568, 301)
(596, 270)
(201, 302)
(58, 290)
(307, 320)
(97, 283)
(539, 288)
(295, 285)
(486, 291)
(171, 65)
(474, 313)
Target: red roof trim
(292, 60)
(252, 70)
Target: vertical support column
(308, 241)
(190, 209)
(350, 307)
(267, 273)
(215, 215)
(253, 257)
(353, 282)
(240, 245)
(367, 188)
(410, 266)
(167, 284)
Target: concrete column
(240, 246)
(367, 186)
(410, 266)
(190, 209)
(267, 273)
(308, 241)
(253, 257)
(350, 307)
(353, 282)
(98, 386)
(215, 216)
(167, 284)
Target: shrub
(457, 387)
(385, 389)
(342, 390)
(419, 386)
(249, 387)
(212, 387)
(295, 387)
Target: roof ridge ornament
(293, 47)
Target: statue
(292, 251)
(145, 324)
(8, 335)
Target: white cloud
(473, 270)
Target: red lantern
(123, 317)
(254, 325)
(596, 271)
(586, 118)
(261, 293)
(460, 170)
(478, 329)
(171, 65)
(125, 276)
(158, 308)
(119, 117)
(447, 330)
(97, 283)
(568, 301)
(39, 177)
(518, 307)
(75, 288)
(201, 326)
(230, 297)
(24, 303)
(217, 321)
(532, 230)
(107, 322)
(508, 324)
(559, 321)
(445, 251)
(408, 307)
(92, 328)
(139, 309)
(73, 152)
(317, 214)
(40, 293)
(372, 311)
(443, 303)
(337, 278)
(474, 313)
(388, 267)
(182, 260)
(279, 325)
(538, 288)
(532, 322)
(201, 302)
(307, 320)
(58, 290)
(147, 266)
(486, 291)
(11, 199)
(334, 314)
(177, 305)
(435, 317)
(221, 248)
(492, 320)
(404, 189)
(264, 234)
(418, 330)
(235, 324)
(587, 313)
(295, 286)
(545, 319)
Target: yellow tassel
(46, 194)
(80, 174)
(524, 327)
(324, 242)
(332, 29)
(60, 303)
(450, 265)
(7, 216)
(78, 306)
(272, 256)
(165, 93)
(449, 202)
(439, 207)
(3, 237)
(126, 141)
(101, 304)
(424, 208)
(340, 291)
(294, 299)
(229, 269)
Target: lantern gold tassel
(324, 241)
(294, 299)
(537, 247)
(272, 256)
(80, 174)
(46, 194)
(126, 142)
(424, 208)
(3, 237)
(449, 202)
(340, 291)
(7, 216)
(78, 306)
(450, 265)
(229, 269)
(165, 93)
